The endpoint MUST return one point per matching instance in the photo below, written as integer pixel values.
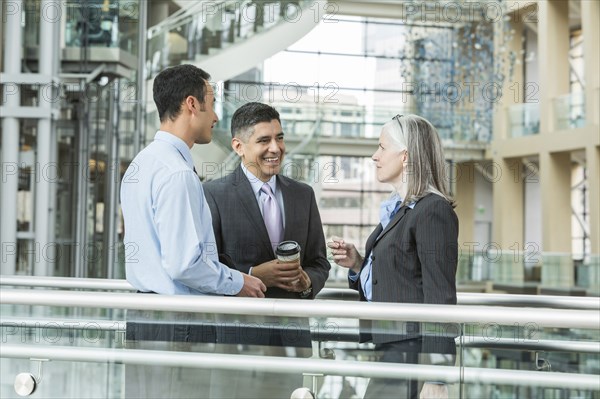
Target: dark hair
(248, 115)
(173, 85)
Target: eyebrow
(268, 136)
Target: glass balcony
(107, 344)
(524, 119)
(588, 275)
(203, 28)
(569, 111)
(298, 118)
(558, 270)
(530, 272)
(94, 23)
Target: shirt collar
(390, 207)
(179, 144)
(256, 183)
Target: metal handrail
(67, 283)
(274, 364)
(546, 345)
(345, 334)
(550, 301)
(559, 318)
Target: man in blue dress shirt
(169, 240)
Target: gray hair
(426, 162)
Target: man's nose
(273, 147)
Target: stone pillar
(553, 42)
(555, 186)
(508, 202)
(465, 199)
(590, 21)
(512, 91)
(592, 154)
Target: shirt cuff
(352, 276)
(237, 282)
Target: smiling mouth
(271, 160)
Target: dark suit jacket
(414, 261)
(241, 235)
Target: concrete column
(592, 154)
(43, 211)
(507, 179)
(13, 49)
(512, 90)
(557, 240)
(590, 21)
(140, 109)
(465, 199)
(555, 187)
(159, 11)
(111, 182)
(553, 42)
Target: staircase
(226, 39)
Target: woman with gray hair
(411, 256)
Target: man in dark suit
(254, 209)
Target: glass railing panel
(588, 275)
(558, 270)
(569, 111)
(173, 354)
(99, 23)
(524, 119)
(474, 266)
(507, 267)
(103, 333)
(529, 347)
(65, 379)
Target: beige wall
(551, 149)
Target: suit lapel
(247, 199)
(288, 208)
(395, 220)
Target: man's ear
(190, 104)
(237, 145)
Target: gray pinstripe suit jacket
(414, 261)
(241, 235)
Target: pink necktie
(272, 216)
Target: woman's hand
(345, 254)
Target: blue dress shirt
(387, 210)
(169, 241)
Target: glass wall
(96, 103)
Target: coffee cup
(288, 251)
